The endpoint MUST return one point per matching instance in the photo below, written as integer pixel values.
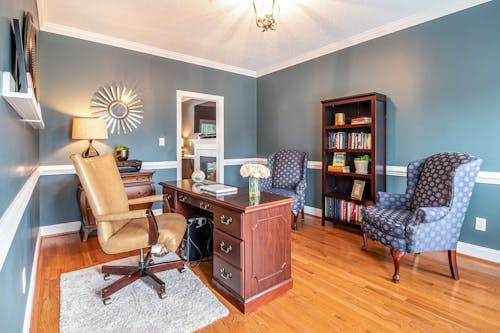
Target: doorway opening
(200, 135)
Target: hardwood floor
(337, 288)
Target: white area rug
(189, 305)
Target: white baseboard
(31, 289)
(312, 211)
(60, 228)
(479, 252)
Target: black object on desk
(129, 165)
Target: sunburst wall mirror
(120, 107)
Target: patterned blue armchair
(429, 216)
(288, 178)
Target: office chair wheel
(182, 269)
(107, 277)
(106, 300)
(162, 295)
(151, 261)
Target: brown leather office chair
(122, 230)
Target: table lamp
(89, 129)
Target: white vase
(361, 166)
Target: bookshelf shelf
(338, 206)
(349, 174)
(340, 127)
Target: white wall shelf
(25, 104)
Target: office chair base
(133, 273)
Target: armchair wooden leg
(303, 219)
(295, 218)
(363, 232)
(396, 256)
(452, 258)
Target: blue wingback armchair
(288, 178)
(429, 216)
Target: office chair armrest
(133, 214)
(141, 200)
(393, 200)
(430, 214)
(153, 233)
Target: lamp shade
(89, 129)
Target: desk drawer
(228, 221)
(139, 191)
(228, 275)
(195, 202)
(228, 248)
(139, 178)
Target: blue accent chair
(429, 216)
(288, 178)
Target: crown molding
(138, 47)
(41, 6)
(383, 30)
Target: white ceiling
(222, 33)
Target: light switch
(161, 141)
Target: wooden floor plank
(337, 288)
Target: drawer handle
(204, 205)
(226, 220)
(182, 198)
(224, 275)
(169, 196)
(225, 250)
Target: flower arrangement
(254, 170)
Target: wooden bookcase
(338, 206)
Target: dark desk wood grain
(252, 258)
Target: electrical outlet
(24, 280)
(161, 141)
(480, 224)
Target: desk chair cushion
(434, 186)
(134, 234)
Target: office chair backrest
(434, 186)
(104, 188)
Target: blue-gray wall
(19, 158)
(72, 70)
(442, 79)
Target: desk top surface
(239, 200)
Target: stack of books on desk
(219, 189)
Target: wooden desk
(252, 260)
(137, 184)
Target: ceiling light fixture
(266, 12)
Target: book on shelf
(338, 160)
(361, 120)
(343, 140)
(219, 189)
(343, 210)
(344, 169)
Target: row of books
(343, 210)
(343, 140)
